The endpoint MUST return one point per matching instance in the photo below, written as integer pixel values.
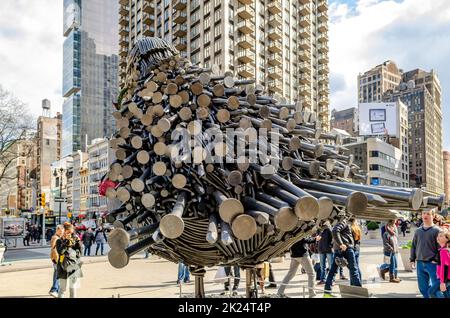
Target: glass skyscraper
(90, 64)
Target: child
(443, 268)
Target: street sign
(59, 199)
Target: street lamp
(55, 174)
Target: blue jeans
(428, 281)
(393, 266)
(55, 286)
(183, 272)
(349, 255)
(99, 245)
(324, 258)
(87, 250)
(357, 264)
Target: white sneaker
(53, 294)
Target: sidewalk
(155, 278)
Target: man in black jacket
(343, 247)
(300, 256)
(325, 249)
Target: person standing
(343, 246)
(325, 248)
(100, 240)
(404, 227)
(237, 278)
(390, 249)
(88, 240)
(183, 273)
(300, 256)
(424, 253)
(69, 265)
(443, 267)
(54, 257)
(356, 233)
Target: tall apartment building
(375, 82)
(421, 92)
(446, 156)
(281, 44)
(90, 63)
(380, 160)
(49, 131)
(346, 119)
(16, 186)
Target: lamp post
(55, 174)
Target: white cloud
(31, 44)
(413, 33)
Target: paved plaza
(155, 277)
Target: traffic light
(43, 200)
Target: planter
(404, 255)
(373, 234)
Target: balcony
(149, 31)
(123, 63)
(323, 110)
(148, 19)
(275, 20)
(180, 17)
(246, 1)
(246, 56)
(180, 44)
(179, 4)
(275, 46)
(124, 11)
(124, 31)
(323, 79)
(275, 72)
(322, 27)
(275, 59)
(304, 44)
(123, 20)
(305, 33)
(246, 70)
(180, 30)
(323, 69)
(246, 12)
(275, 33)
(323, 38)
(123, 2)
(306, 102)
(303, 1)
(275, 86)
(304, 55)
(246, 27)
(324, 90)
(324, 101)
(305, 79)
(305, 9)
(124, 41)
(246, 41)
(274, 6)
(149, 7)
(322, 6)
(305, 67)
(304, 90)
(322, 16)
(323, 59)
(305, 21)
(322, 48)
(123, 51)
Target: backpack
(70, 262)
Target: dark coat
(301, 248)
(325, 245)
(88, 238)
(63, 247)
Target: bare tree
(16, 124)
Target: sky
(363, 34)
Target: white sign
(379, 119)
